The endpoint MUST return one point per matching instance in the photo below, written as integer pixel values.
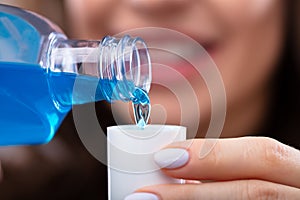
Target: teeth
(169, 51)
(181, 48)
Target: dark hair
(283, 122)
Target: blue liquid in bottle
(27, 113)
(42, 74)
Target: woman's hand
(237, 169)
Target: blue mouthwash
(42, 74)
(141, 107)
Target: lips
(179, 60)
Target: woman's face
(243, 38)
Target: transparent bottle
(43, 73)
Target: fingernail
(192, 182)
(141, 196)
(171, 158)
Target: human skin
(244, 38)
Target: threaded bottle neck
(121, 64)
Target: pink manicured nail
(141, 196)
(171, 158)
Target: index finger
(233, 159)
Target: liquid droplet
(141, 107)
(141, 114)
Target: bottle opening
(120, 64)
(125, 61)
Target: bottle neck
(124, 63)
(75, 56)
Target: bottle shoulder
(43, 25)
(24, 34)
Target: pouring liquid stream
(141, 107)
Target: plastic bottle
(42, 74)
